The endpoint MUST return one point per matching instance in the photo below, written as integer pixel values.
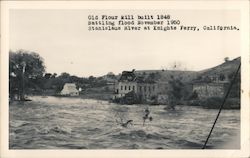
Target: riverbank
(99, 95)
(209, 103)
(215, 103)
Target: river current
(75, 123)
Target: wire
(225, 98)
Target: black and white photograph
(126, 79)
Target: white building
(129, 82)
(69, 89)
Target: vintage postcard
(125, 79)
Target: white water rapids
(75, 123)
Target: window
(125, 87)
(145, 88)
(133, 88)
(129, 88)
(121, 87)
(140, 88)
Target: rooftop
(131, 76)
(127, 76)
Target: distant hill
(165, 75)
(227, 68)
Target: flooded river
(74, 123)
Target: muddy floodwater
(75, 123)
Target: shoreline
(108, 97)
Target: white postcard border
(245, 112)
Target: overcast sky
(62, 39)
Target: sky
(61, 38)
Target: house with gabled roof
(69, 89)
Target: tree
(174, 92)
(111, 75)
(177, 65)
(226, 59)
(54, 75)
(91, 79)
(25, 68)
(65, 75)
(47, 75)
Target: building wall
(209, 90)
(147, 90)
(143, 90)
(70, 93)
(123, 88)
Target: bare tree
(177, 65)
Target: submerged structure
(206, 90)
(212, 86)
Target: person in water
(129, 122)
(146, 116)
(125, 124)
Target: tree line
(27, 75)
